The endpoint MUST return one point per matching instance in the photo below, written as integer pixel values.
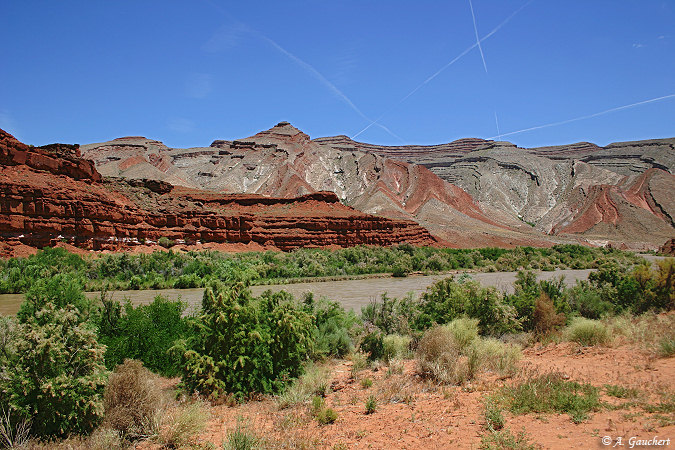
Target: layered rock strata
(51, 195)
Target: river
(352, 294)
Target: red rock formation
(50, 194)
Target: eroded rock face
(668, 248)
(285, 162)
(50, 194)
(620, 193)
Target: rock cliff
(621, 193)
(50, 194)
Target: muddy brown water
(352, 294)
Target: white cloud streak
(322, 79)
(439, 71)
(589, 116)
(475, 29)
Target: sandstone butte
(51, 195)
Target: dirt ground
(413, 413)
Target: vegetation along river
(352, 294)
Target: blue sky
(187, 73)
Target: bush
(333, 327)
(454, 353)
(391, 315)
(57, 376)
(144, 332)
(371, 404)
(545, 318)
(372, 344)
(242, 345)
(588, 332)
(132, 400)
(447, 300)
(395, 346)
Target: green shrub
(391, 315)
(464, 331)
(372, 344)
(333, 327)
(243, 345)
(447, 300)
(326, 416)
(57, 376)
(395, 346)
(366, 383)
(371, 404)
(144, 332)
(588, 332)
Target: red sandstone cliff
(51, 194)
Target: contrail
(499, 134)
(438, 72)
(475, 29)
(309, 68)
(325, 81)
(589, 116)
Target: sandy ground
(413, 413)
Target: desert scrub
(242, 437)
(371, 404)
(56, 374)
(321, 413)
(133, 400)
(506, 440)
(454, 353)
(587, 332)
(366, 383)
(314, 382)
(395, 346)
(181, 424)
(494, 420)
(550, 393)
(242, 344)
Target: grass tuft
(312, 383)
(588, 332)
(551, 393)
(371, 404)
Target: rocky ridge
(621, 193)
(283, 161)
(50, 195)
